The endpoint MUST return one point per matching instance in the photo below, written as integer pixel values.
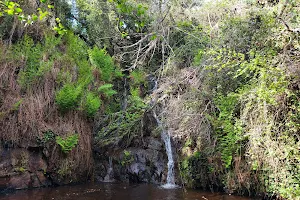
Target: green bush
(125, 123)
(186, 41)
(47, 137)
(85, 76)
(31, 54)
(38, 58)
(68, 97)
(107, 90)
(193, 170)
(228, 127)
(102, 61)
(91, 104)
(138, 77)
(68, 143)
(76, 48)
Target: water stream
(74, 12)
(109, 175)
(170, 184)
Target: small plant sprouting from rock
(68, 143)
(127, 159)
(47, 137)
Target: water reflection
(115, 191)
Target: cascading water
(109, 174)
(74, 12)
(167, 140)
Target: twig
(138, 42)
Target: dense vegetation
(223, 76)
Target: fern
(102, 61)
(91, 104)
(68, 97)
(107, 90)
(68, 143)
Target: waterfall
(167, 140)
(74, 12)
(109, 174)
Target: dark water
(115, 191)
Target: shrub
(85, 76)
(76, 48)
(186, 40)
(103, 62)
(68, 97)
(47, 137)
(138, 77)
(32, 54)
(92, 104)
(68, 143)
(193, 170)
(38, 58)
(107, 90)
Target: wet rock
(148, 165)
(136, 165)
(21, 169)
(20, 182)
(4, 181)
(37, 163)
(4, 167)
(39, 180)
(154, 144)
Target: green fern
(68, 143)
(68, 97)
(102, 61)
(91, 104)
(107, 90)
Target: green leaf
(11, 5)
(10, 12)
(34, 17)
(18, 10)
(68, 143)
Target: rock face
(21, 169)
(142, 159)
(139, 159)
(138, 163)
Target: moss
(194, 170)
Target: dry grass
(38, 113)
(183, 105)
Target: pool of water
(115, 191)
